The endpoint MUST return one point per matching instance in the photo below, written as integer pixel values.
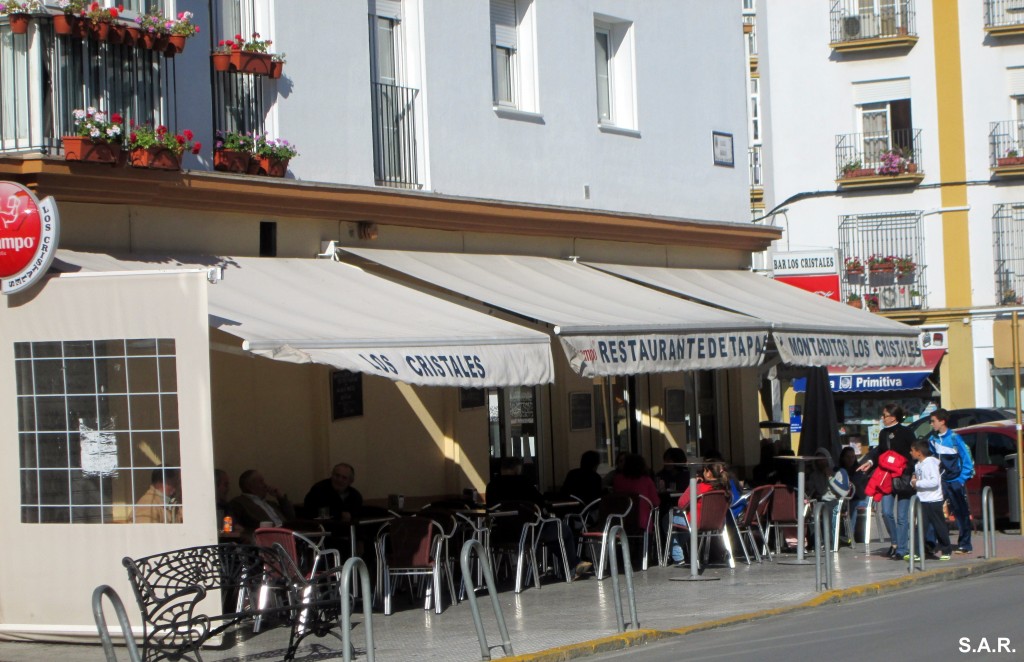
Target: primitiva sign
(29, 230)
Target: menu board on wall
(346, 394)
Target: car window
(921, 428)
(999, 446)
(971, 439)
(963, 420)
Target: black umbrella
(820, 427)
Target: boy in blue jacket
(957, 467)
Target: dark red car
(990, 443)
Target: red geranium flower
(179, 139)
(116, 118)
(196, 148)
(113, 12)
(187, 133)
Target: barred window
(98, 431)
(896, 239)
(1008, 248)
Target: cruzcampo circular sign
(28, 236)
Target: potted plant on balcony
(853, 299)
(1012, 158)
(1009, 297)
(251, 56)
(871, 302)
(221, 55)
(855, 168)
(881, 269)
(179, 30)
(158, 148)
(915, 299)
(905, 269)
(277, 61)
(153, 28)
(99, 18)
(274, 155)
(232, 151)
(97, 137)
(854, 268)
(64, 24)
(19, 13)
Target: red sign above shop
(29, 230)
(826, 285)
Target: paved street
(565, 615)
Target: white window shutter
(1015, 79)
(503, 23)
(388, 9)
(878, 91)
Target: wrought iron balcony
(855, 28)
(1004, 17)
(44, 77)
(896, 243)
(1006, 148)
(756, 176)
(394, 135)
(891, 158)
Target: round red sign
(20, 228)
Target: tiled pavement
(562, 615)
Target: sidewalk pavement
(565, 621)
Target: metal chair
(309, 560)
(757, 502)
(611, 510)
(712, 513)
(413, 547)
(782, 513)
(844, 521)
(516, 529)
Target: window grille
(1003, 12)
(1008, 248)
(239, 100)
(895, 234)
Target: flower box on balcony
(246, 62)
(229, 160)
(19, 23)
(1008, 161)
(272, 166)
(156, 158)
(64, 24)
(78, 148)
(858, 172)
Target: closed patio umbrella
(820, 427)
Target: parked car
(990, 443)
(959, 418)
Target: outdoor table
(695, 575)
(801, 466)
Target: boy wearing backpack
(957, 467)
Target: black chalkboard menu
(346, 394)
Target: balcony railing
(44, 77)
(394, 135)
(886, 234)
(756, 168)
(879, 158)
(1006, 148)
(855, 28)
(1008, 252)
(1004, 16)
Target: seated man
(336, 494)
(584, 482)
(157, 505)
(252, 507)
(511, 485)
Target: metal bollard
(618, 533)
(988, 522)
(506, 643)
(822, 535)
(355, 564)
(122, 617)
(915, 513)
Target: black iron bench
(170, 586)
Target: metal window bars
(1008, 251)
(895, 234)
(886, 152)
(1006, 142)
(1003, 12)
(44, 77)
(851, 20)
(756, 167)
(394, 135)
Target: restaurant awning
(607, 326)
(323, 311)
(868, 380)
(809, 330)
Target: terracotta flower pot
(221, 61)
(856, 303)
(19, 23)
(117, 35)
(157, 158)
(80, 28)
(273, 167)
(161, 43)
(177, 41)
(276, 68)
(149, 39)
(911, 167)
(99, 31)
(77, 148)
(132, 36)
(64, 24)
(245, 62)
(229, 160)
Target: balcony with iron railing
(756, 177)
(1006, 148)
(394, 135)
(856, 28)
(882, 265)
(1004, 17)
(44, 77)
(1008, 252)
(890, 158)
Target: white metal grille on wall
(1008, 249)
(896, 234)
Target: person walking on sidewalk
(929, 490)
(895, 506)
(957, 467)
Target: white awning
(607, 326)
(809, 330)
(322, 311)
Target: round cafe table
(694, 576)
(801, 468)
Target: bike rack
(122, 617)
(355, 564)
(871, 517)
(988, 522)
(916, 515)
(618, 533)
(506, 643)
(822, 535)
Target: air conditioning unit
(851, 27)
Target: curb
(836, 596)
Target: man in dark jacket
(895, 437)
(336, 494)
